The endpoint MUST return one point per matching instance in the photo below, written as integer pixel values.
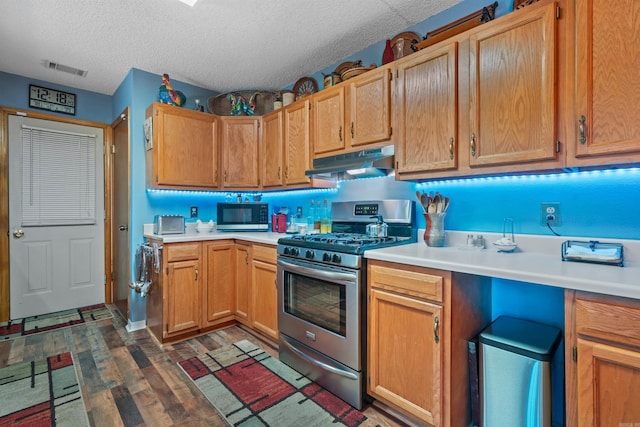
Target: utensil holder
(434, 234)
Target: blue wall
(92, 106)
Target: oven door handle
(318, 273)
(319, 363)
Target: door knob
(123, 228)
(18, 233)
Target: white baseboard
(135, 326)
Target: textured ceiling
(220, 45)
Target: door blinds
(58, 177)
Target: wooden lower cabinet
(243, 283)
(419, 323)
(602, 360)
(264, 294)
(219, 290)
(210, 284)
(174, 301)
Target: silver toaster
(168, 224)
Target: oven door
(320, 306)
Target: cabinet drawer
(181, 251)
(265, 253)
(616, 321)
(408, 280)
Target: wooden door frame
(4, 199)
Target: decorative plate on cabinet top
(305, 86)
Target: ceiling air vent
(65, 68)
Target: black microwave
(243, 216)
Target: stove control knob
(287, 250)
(309, 254)
(326, 257)
(336, 258)
(295, 251)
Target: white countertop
(537, 260)
(192, 235)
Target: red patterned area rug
(47, 322)
(42, 393)
(251, 388)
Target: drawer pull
(436, 324)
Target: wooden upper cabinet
(328, 112)
(272, 156)
(297, 144)
(512, 79)
(369, 103)
(240, 153)
(427, 111)
(607, 89)
(183, 148)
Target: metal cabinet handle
(473, 144)
(436, 324)
(353, 135)
(246, 258)
(451, 148)
(286, 172)
(196, 268)
(340, 133)
(581, 129)
(278, 172)
(225, 176)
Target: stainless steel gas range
(322, 293)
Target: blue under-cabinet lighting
(565, 177)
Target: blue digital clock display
(53, 100)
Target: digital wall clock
(53, 100)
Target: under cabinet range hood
(368, 163)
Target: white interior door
(56, 216)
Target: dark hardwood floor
(128, 379)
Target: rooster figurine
(235, 104)
(250, 107)
(169, 96)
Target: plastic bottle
(311, 216)
(317, 217)
(325, 221)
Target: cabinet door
(240, 153)
(370, 107)
(512, 89)
(272, 151)
(608, 34)
(297, 144)
(608, 384)
(427, 111)
(328, 113)
(219, 289)
(405, 362)
(264, 292)
(184, 152)
(183, 300)
(243, 283)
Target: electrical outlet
(550, 213)
(194, 211)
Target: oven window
(318, 302)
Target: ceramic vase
(387, 55)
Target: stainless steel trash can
(515, 373)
